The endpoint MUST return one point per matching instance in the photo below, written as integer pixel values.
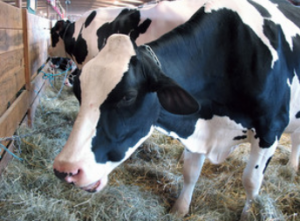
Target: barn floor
(143, 188)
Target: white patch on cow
(165, 16)
(58, 50)
(208, 138)
(290, 30)
(254, 171)
(249, 15)
(293, 127)
(98, 78)
(294, 124)
(105, 169)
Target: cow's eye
(128, 99)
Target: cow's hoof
(293, 166)
(179, 210)
(262, 208)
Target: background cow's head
(119, 108)
(57, 47)
(91, 34)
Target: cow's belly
(216, 138)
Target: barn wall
(24, 38)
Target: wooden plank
(37, 56)
(26, 48)
(12, 118)
(37, 35)
(37, 38)
(10, 16)
(11, 60)
(6, 158)
(10, 40)
(37, 22)
(38, 85)
(19, 3)
(10, 85)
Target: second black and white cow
(83, 39)
(227, 76)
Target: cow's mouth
(92, 188)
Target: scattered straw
(144, 187)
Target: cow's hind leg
(294, 157)
(254, 172)
(192, 167)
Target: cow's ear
(141, 29)
(174, 98)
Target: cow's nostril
(60, 175)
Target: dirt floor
(143, 188)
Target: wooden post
(18, 3)
(27, 63)
(48, 11)
(26, 50)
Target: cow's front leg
(254, 172)
(294, 157)
(192, 167)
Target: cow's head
(57, 47)
(122, 93)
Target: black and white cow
(229, 75)
(60, 63)
(64, 64)
(82, 40)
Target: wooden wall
(12, 73)
(24, 38)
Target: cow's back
(164, 17)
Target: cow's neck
(67, 38)
(187, 55)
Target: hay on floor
(144, 187)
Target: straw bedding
(144, 187)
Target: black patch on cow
(56, 30)
(298, 115)
(54, 38)
(125, 23)
(65, 30)
(61, 63)
(73, 75)
(240, 137)
(76, 85)
(141, 29)
(90, 18)
(114, 130)
(115, 156)
(292, 13)
(260, 9)
(267, 163)
(256, 167)
(68, 38)
(80, 50)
